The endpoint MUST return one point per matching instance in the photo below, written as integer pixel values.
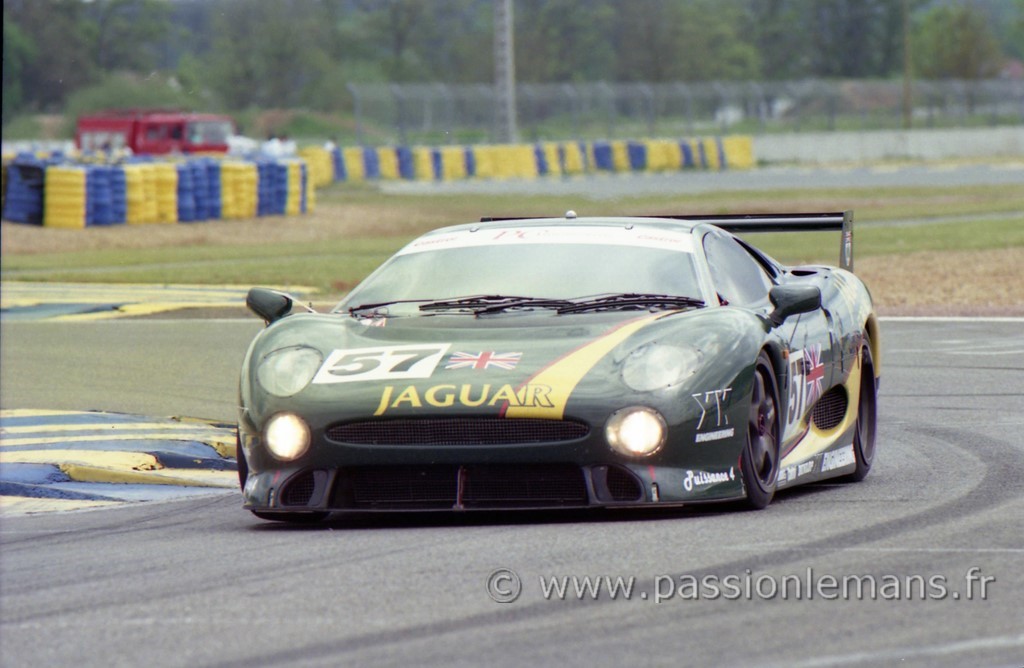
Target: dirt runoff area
(953, 283)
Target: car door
(742, 279)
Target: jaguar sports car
(565, 363)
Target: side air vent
(299, 490)
(830, 409)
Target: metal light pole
(908, 101)
(504, 73)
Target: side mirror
(791, 300)
(268, 304)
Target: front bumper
(459, 487)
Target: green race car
(564, 363)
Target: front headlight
(287, 371)
(286, 436)
(658, 366)
(637, 431)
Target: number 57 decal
(384, 363)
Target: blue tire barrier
(436, 164)
(99, 195)
(119, 196)
(687, 152)
(406, 166)
(702, 155)
(23, 201)
(214, 190)
(339, 164)
(186, 195)
(603, 158)
(470, 158)
(371, 163)
(637, 153)
(541, 159)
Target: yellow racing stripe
(565, 373)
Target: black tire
(867, 417)
(243, 466)
(759, 463)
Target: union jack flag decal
(815, 372)
(483, 360)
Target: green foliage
(22, 127)
(19, 51)
(123, 32)
(62, 62)
(127, 91)
(555, 42)
(956, 43)
(239, 54)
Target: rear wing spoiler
(740, 222)
(839, 221)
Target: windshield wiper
(366, 307)
(629, 300)
(485, 303)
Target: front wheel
(867, 417)
(760, 460)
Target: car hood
(522, 365)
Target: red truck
(148, 131)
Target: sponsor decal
(791, 473)
(527, 396)
(704, 478)
(715, 435)
(838, 459)
(373, 321)
(381, 363)
(483, 360)
(711, 402)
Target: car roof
(653, 223)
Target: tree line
(72, 56)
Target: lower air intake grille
(623, 485)
(482, 486)
(830, 410)
(403, 487)
(456, 431)
(299, 490)
(523, 486)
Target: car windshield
(528, 271)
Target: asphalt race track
(199, 582)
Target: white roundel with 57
(382, 363)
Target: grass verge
(354, 228)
